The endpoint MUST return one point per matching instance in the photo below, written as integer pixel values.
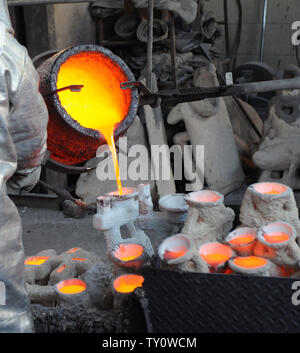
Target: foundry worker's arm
(27, 125)
(23, 121)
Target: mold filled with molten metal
(269, 188)
(170, 255)
(71, 286)
(250, 262)
(276, 237)
(128, 283)
(128, 252)
(36, 260)
(215, 254)
(101, 104)
(205, 196)
(242, 239)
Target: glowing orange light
(270, 188)
(204, 196)
(125, 191)
(215, 259)
(128, 283)
(273, 192)
(101, 104)
(228, 271)
(61, 268)
(242, 239)
(277, 237)
(78, 259)
(72, 250)
(36, 260)
(250, 261)
(170, 255)
(286, 271)
(71, 286)
(127, 252)
(215, 254)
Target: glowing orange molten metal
(72, 250)
(71, 286)
(128, 252)
(277, 237)
(170, 255)
(270, 188)
(125, 191)
(215, 254)
(61, 268)
(205, 196)
(36, 260)
(101, 104)
(250, 262)
(242, 239)
(128, 283)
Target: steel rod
(42, 2)
(262, 43)
(150, 43)
(173, 48)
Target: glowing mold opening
(125, 191)
(276, 233)
(205, 196)
(36, 260)
(241, 236)
(71, 286)
(128, 252)
(61, 268)
(174, 247)
(249, 262)
(128, 283)
(269, 188)
(215, 254)
(72, 250)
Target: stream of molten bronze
(101, 104)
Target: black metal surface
(216, 303)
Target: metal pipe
(150, 43)
(225, 5)
(43, 2)
(262, 42)
(173, 48)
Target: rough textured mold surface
(259, 209)
(115, 211)
(244, 249)
(268, 270)
(286, 253)
(207, 221)
(190, 261)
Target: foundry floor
(50, 229)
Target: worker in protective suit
(23, 122)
